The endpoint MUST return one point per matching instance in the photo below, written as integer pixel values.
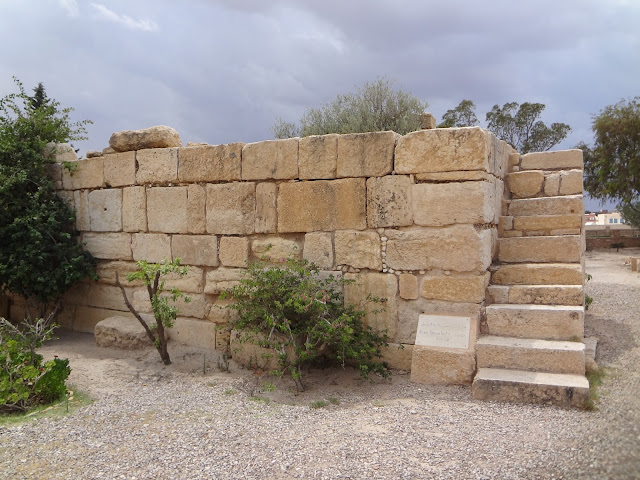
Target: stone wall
(607, 237)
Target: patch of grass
(334, 401)
(258, 398)
(319, 404)
(74, 400)
(595, 380)
(230, 391)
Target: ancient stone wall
(606, 238)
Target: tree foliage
(464, 115)
(40, 257)
(376, 106)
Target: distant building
(590, 218)
(609, 218)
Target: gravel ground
(169, 424)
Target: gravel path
(190, 426)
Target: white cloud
(71, 6)
(143, 24)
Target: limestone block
(455, 176)
(209, 163)
(152, 247)
(526, 183)
(358, 249)
(397, 356)
(159, 136)
(497, 294)
(197, 307)
(459, 248)
(231, 208)
(219, 280)
(106, 270)
(552, 160)
(323, 205)
(547, 222)
(54, 172)
(459, 288)
(192, 282)
(167, 209)
(552, 185)
(121, 332)
(505, 223)
(105, 210)
(266, 214)
(539, 274)
(318, 249)
(503, 153)
(438, 366)
(134, 209)
(196, 208)
(275, 249)
(234, 251)
(408, 284)
(94, 153)
(87, 174)
(382, 285)
(120, 169)
(389, 201)
(276, 159)
(547, 294)
(195, 333)
(86, 318)
(436, 204)
(61, 152)
(111, 246)
(366, 154)
(514, 159)
(318, 157)
(201, 250)
(551, 249)
(81, 203)
(157, 165)
(443, 150)
(546, 322)
(140, 301)
(547, 206)
(106, 296)
(498, 200)
(571, 182)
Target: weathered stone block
(443, 150)
(121, 332)
(547, 222)
(389, 201)
(358, 249)
(550, 249)
(547, 322)
(120, 169)
(497, 294)
(318, 249)
(266, 214)
(134, 209)
(552, 160)
(276, 159)
(106, 270)
(231, 208)
(209, 163)
(88, 174)
(459, 248)
(318, 157)
(196, 209)
(397, 355)
(547, 294)
(455, 176)
(324, 205)
(539, 274)
(217, 281)
(526, 183)
(408, 284)
(106, 296)
(152, 247)
(157, 165)
(81, 203)
(436, 204)
(105, 210)
(275, 249)
(234, 251)
(571, 182)
(195, 333)
(547, 206)
(461, 288)
(192, 282)
(552, 185)
(438, 366)
(167, 209)
(382, 285)
(111, 246)
(159, 136)
(366, 154)
(199, 250)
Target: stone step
(552, 356)
(541, 249)
(537, 225)
(538, 274)
(536, 294)
(547, 322)
(563, 205)
(518, 386)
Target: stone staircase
(531, 348)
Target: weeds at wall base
(595, 380)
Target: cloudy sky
(223, 70)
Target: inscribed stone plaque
(443, 331)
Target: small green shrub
(319, 404)
(300, 316)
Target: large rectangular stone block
(110, 246)
(219, 280)
(323, 205)
(152, 247)
(266, 214)
(552, 249)
(106, 296)
(81, 204)
(570, 204)
(157, 165)
(547, 322)
(459, 288)
(134, 209)
(105, 210)
(87, 174)
(318, 249)
(436, 204)
(277, 159)
(167, 209)
(432, 366)
(366, 154)
(382, 285)
(210, 163)
(195, 333)
(107, 270)
(526, 183)
(443, 150)
(547, 222)
(539, 274)
(192, 282)
(318, 157)
(458, 248)
(234, 251)
(199, 250)
(196, 209)
(552, 160)
(571, 182)
(389, 201)
(120, 169)
(231, 208)
(358, 249)
(275, 249)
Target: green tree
(374, 107)
(40, 257)
(464, 115)
(39, 98)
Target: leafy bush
(301, 316)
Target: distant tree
(374, 107)
(39, 98)
(463, 115)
